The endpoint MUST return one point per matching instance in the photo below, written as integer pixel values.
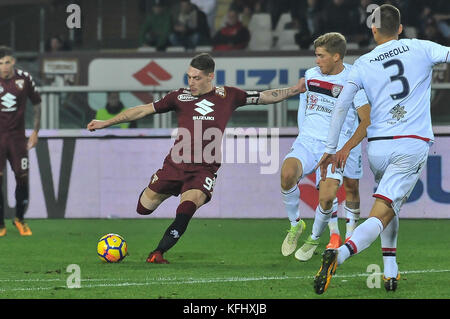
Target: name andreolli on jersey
(391, 53)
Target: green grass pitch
(216, 258)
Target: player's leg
(363, 236)
(396, 174)
(196, 191)
(190, 201)
(18, 157)
(389, 250)
(333, 223)
(2, 212)
(353, 172)
(2, 167)
(149, 201)
(327, 194)
(397, 167)
(351, 206)
(291, 172)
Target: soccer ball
(112, 248)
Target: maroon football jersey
(202, 121)
(13, 100)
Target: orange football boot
(156, 257)
(2, 231)
(335, 241)
(22, 227)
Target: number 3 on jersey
(398, 77)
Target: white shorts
(396, 165)
(309, 151)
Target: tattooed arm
(33, 139)
(277, 95)
(134, 113)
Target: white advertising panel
(101, 177)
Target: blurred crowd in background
(273, 24)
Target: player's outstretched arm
(278, 95)
(357, 137)
(131, 114)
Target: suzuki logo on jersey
(204, 107)
(8, 101)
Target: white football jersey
(317, 103)
(396, 77)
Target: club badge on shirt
(19, 84)
(336, 90)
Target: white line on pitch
(175, 281)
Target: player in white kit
(324, 84)
(396, 76)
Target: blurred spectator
(277, 7)
(156, 28)
(190, 26)
(442, 22)
(433, 33)
(311, 22)
(341, 17)
(55, 44)
(429, 23)
(247, 8)
(233, 36)
(363, 35)
(208, 7)
(113, 107)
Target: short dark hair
(389, 20)
(5, 51)
(203, 62)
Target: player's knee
(326, 201)
(351, 187)
(288, 178)
(141, 210)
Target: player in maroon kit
(203, 112)
(16, 86)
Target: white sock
(320, 221)
(389, 248)
(291, 200)
(363, 236)
(333, 224)
(352, 220)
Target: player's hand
(301, 85)
(96, 125)
(32, 140)
(341, 157)
(326, 160)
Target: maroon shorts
(13, 147)
(175, 179)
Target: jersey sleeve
(167, 103)
(437, 53)
(243, 97)
(32, 93)
(360, 99)
(338, 116)
(354, 75)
